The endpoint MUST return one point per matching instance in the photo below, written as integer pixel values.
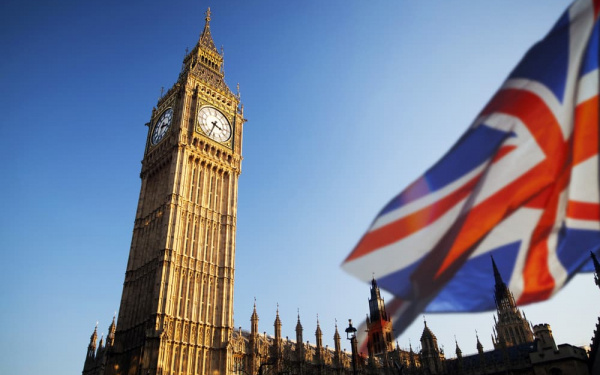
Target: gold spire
(206, 39)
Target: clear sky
(348, 102)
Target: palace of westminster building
(176, 311)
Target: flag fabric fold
(522, 184)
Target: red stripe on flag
(585, 134)
(410, 224)
(583, 211)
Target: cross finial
(207, 15)
(162, 90)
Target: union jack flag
(522, 185)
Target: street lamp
(351, 335)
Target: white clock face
(162, 125)
(214, 124)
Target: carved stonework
(177, 246)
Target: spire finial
(207, 16)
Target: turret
(90, 357)
(337, 340)
(458, 351)
(277, 325)
(459, 356)
(319, 335)
(480, 350)
(110, 337)
(92, 346)
(431, 356)
(277, 348)
(543, 335)
(254, 321)
(299, 342)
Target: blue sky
(347, 101)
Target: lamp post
(351, 335)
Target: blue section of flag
(398, 283)
(590, 60)
(571, 242)
(471, 287)
(552, 54)
(474, 148)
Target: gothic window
(238, 366)
(200, 185)
(210, 191)
(187, 236)
(217, 190)
(193, 183)
(194, 235)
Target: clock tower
(176, 312)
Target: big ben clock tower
(176, 313)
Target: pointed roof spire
(277, 320)
(497, 275)
(427, 334)
(318, 331)
(254, 314)
(336, 335)
(206, 39)
(113, 325)
(94, 336)
(479, 346)
(458, 351)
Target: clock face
(162, 125)
(214, 124)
